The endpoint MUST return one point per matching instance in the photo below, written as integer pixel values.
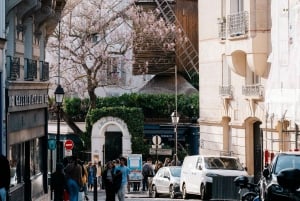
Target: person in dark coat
(107, 182)
(58, 182)
(4, 177)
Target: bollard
(95, 189)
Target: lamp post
(59, 96)
(175, 120)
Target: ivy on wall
(132, 116)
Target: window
(226, 72)
(35, 156)
(115, 70)
(236, 6)
(251, 78)
(17, 163)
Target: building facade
(25, 75)
(235, 54)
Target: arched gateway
(110, 138)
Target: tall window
(251, 78)
(236, 6)
(226, 72)
(115, 70)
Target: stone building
(238, 56)
(24, 80)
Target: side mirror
(266, 172)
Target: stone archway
(108, 125)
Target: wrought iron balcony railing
(30, 69)
(238, 24)
(254, 91)
(222, 28)
(13, 68)
(226, 91)
(44, 71)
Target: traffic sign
(51, 144)
(156, 139)
(165, 152)
(69, 144)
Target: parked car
(198, 171)
(166, 181)
(269, 187)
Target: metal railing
(13, 68)
(238, 24)
(44, 71)
(256, 90)
(30, 69)
(222, 28)
(226, 90)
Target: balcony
(30, 69)
(226, 92)
(255, 92)
(44, 71)
(13, 68)
(238, 24)
(222, 28)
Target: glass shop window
(16, 158)
(35, 157)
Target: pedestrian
(107, 182)
(4, 177)
(84, 180)
(158, 165)
(73, 173)
(123, 171)
(57, 184)
(147, 172)
(99, 174)
(167, 161)
(92, 171)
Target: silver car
(166, 181)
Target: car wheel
(203, 191)
(172, 192)
(184, 193)
(154, 192)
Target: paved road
(135, 196)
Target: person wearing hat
(57, 184)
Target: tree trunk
(71, 124)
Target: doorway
(113, 145)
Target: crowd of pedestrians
(73, 178)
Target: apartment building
(24, 81)
(234, 45)
(244, 51)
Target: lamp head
(175, 117)
(59, 94)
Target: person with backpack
(147, 172)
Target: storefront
(27, 111)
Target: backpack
(147, 170)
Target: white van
(197, 172)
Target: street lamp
(175, 120)
(59, 96)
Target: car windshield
(222, 163)
(175, 172)
(287, 161)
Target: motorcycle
(252, 190)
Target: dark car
(270, 188)
(166, 181)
